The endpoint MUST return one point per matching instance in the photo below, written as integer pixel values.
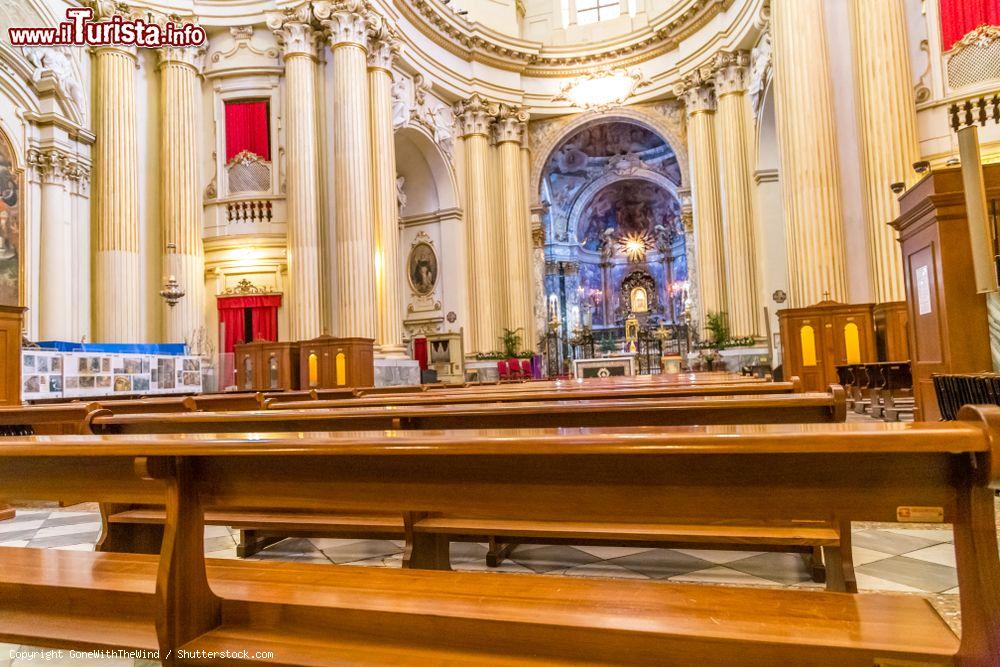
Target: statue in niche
(401, 198)
(639, 300)
(400, 103)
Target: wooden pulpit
(817, 339)
(267, 366)
(11, 326)
(327, 363)
(948, 326)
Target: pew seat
(306, 613)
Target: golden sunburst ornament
(635, 246)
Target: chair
(526, 369)
(515, 368)
(503, 370)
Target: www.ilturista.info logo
(81, 30)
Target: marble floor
(888, 558)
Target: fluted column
(117, 290)
(498, 264)
(474, 116)
(51, 168)
(536, 257)
(383, 46)
(304, 296)
(347, 23)
(737, 202)
(699, 99)
(512, 223)
(807, 140)
(180, 200)
(887, 125)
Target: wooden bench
(52, 419)
(305, 614)
(139, 529)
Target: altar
(603, 367)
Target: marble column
(745, 314)
(699, 99)
(303, 300)
(887, 127)
(474, 116)
(383, 47)
(512, 223)
(180, 198)
(807, 140)
(117, 307)
(347, 23)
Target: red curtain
(960, 17)
(247, 129)
(420, 352)
(263, 318)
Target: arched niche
(585, 198)
(429, 181)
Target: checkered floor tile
(887, 558)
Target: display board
(49, 374)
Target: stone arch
(587, 194)
(651, 119)
(430, 176)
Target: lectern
(947, 318)
(327, 362)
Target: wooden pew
(568, 391)
(52, 419)
(305, 614)
(897, 396)
(139, 529)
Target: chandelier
(602, 89)
(635, 245)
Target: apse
(615, 240)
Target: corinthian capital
(731, 72)
(383, 44)
(346, 21)
(511, 124)
(294, 31)
(475, 115)
(182, 55)
(697, 94)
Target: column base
(395, 351)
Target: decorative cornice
(475, 115)
(472, 41)
(346, 22)
(294, 31)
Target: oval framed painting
(422, 268)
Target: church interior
(499, 332)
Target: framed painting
(11, 227)
(422, 268)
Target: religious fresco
(603, 141)
(629, 207)
(10, 228)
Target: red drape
(263, 317)
(264, 322)
(420, 352)
(247, 129)
(960, 17)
